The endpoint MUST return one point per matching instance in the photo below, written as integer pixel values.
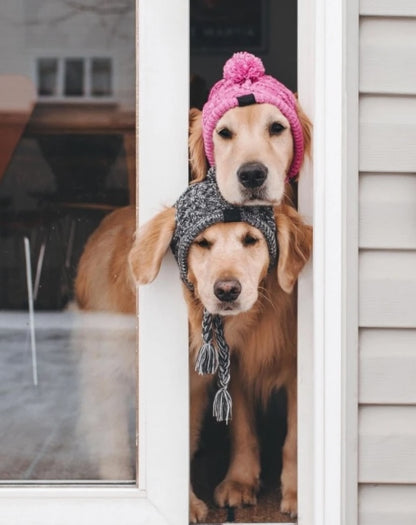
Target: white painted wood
(66, 506)
(163, 401)
(385, 63)
(163, 87)
(387, 504)
(388, 211)
(387, 446)
(387, 366)
(306, 445)
(388, 7)
(327, 465)
(387, 289)
(387, 134)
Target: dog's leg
(289, 481)
(241, 484)
(199, 399)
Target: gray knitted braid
(207, 358)
(222, 406)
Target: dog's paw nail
(231, 493)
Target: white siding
(385, 65)
(388, 211)
(388, 132)
(387, 268)
(387, 504)
(388, 7)
(387, 444)
(387, 367)
(387, 289)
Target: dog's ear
(295, 245)
(306, 126)
(150, 245)
(197, 157)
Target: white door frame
(162, 496)
(328, 306)
(327, 290)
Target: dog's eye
(276, 128)
(203, 243)
(249, 240)
(225, 133)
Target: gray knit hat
(201, 206)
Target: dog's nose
(227, 290)
(252, 174)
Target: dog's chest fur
(262, 341)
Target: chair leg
(31, 309)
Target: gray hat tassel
(222, 406)
(209, 360)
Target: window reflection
(74, 77)
(67, 129)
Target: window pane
(74, 77)
(101, 75)
(47, 70)
(68, 378)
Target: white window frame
(327, 290)
(86, 58)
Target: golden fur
(260, 330)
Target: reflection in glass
(67, 376)
(74, 77)
(47, 76)
(101, 73)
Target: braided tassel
(207, 358)
(222, 406)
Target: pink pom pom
(243, 66)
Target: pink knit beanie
(245, 83)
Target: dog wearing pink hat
(253, 131)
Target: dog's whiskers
(264, 293)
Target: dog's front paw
(289, 503)
(232, 493)
(197, 509)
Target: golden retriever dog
(259, 326)
(259, 322)
(253, 131)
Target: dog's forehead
(252, 115)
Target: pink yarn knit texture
(244, 74)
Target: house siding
(387, 263)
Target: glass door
(67, 359)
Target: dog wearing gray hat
(239, 266)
